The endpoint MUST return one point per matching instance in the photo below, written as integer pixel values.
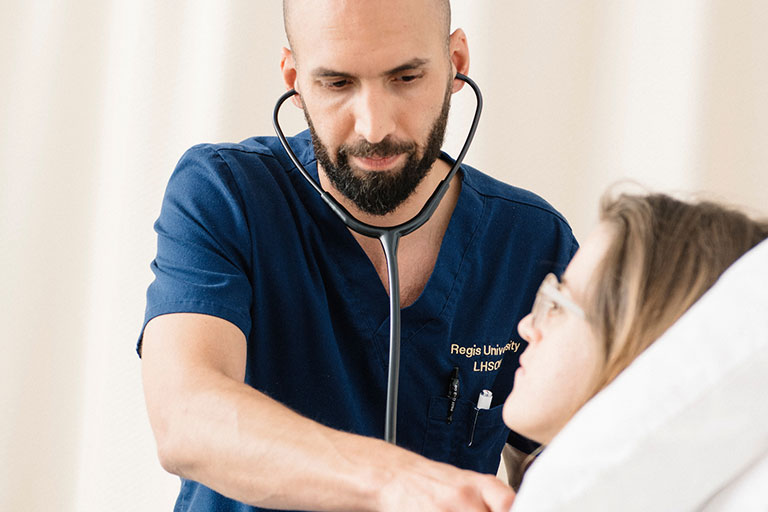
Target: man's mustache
(383, 149)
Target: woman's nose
(526, 329)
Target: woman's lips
(377, 164)
(520, 369)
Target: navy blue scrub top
(243, 237)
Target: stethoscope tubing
(389, 237)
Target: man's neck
(417, 252)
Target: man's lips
(377, 163)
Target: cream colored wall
(98, 99)
(580, 95)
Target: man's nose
(374, 114)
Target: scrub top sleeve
(574, 248)
(203, 244)
(565, 249)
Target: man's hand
(427, 486)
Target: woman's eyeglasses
(550, 297)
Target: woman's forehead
(581, 269)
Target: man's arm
(212, 428)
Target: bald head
(440, 13)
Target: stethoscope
(389, 238)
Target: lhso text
(485, 350)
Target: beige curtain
(98, 99)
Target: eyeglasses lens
(542, 303)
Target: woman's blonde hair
(663, 255)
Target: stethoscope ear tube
(389, 238)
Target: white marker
(483, 402)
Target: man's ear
(459, 54)
(288, 68)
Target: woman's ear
(459, 55)
(288, 69)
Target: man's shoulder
(256, 168)
(504, 196)
(264, 149)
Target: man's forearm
(214, 429)
(246, 446)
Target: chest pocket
(449, 442)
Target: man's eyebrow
(329, 73)
(414, 63)
(411, 64)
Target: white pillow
(745, 492)
(688, 418)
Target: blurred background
(99, 99)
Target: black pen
(453, 392)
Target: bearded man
(265, 340)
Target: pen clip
(453, 393)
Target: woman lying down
(650, 258)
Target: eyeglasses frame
(549, 290)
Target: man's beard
(381, 192)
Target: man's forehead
(364, 8)
(366, 24)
